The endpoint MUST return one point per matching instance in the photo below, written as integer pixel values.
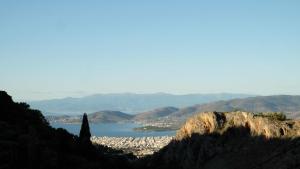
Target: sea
(113, 130)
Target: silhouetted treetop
(85, 133)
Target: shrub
(273, 115)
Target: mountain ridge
(131, 103)
(288, 104)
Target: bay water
(113, 130)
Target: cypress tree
(85, 133)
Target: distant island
(154, 128)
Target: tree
(85, 134)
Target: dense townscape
(139, 146)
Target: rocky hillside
(237, 140)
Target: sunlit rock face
(215, 122)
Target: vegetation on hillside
(273, 115)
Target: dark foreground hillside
(28, 142)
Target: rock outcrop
(215, 122)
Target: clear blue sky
(61, 48)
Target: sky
(60, 48)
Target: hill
(109, 116)
(156, 113)
(115, 116)
(290, 105)
(126, 102)
(231, 140)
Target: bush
(273, 115)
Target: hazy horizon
(141, 93)
(136, 93)
(56, 49)
(17, 96)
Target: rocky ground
(139, 146)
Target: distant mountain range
(114, 116)
(127, 102)
(290, 105)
